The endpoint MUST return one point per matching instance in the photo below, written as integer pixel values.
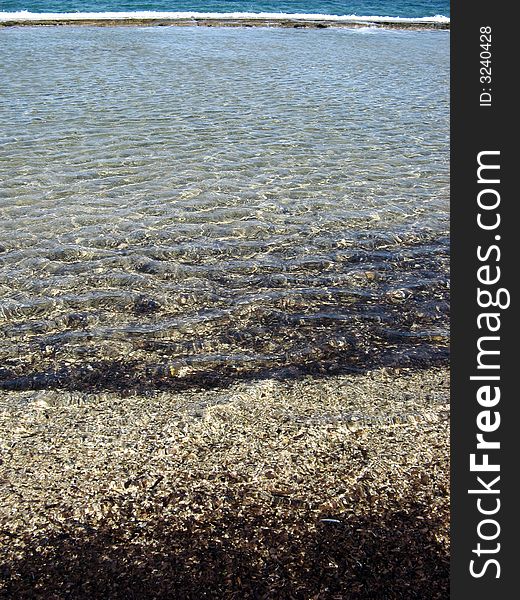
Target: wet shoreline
(224, 22)
(267, 488)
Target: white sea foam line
(143, 15)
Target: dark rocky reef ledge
(227, 22)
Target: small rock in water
(147, 267)
(145, 306)
(397, 296)
(75, 320)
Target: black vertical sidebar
(484, 251)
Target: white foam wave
(26, 16)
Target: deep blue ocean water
(392, 8)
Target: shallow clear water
(185, 204)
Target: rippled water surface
(182, 205)
(403, 8)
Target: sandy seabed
(312, 488)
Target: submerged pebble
(145, 306)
